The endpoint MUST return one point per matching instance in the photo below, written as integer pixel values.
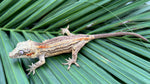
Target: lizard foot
(64, 30)
(31, 69)
(69, 63)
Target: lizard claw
(31, 69)
(69, 63)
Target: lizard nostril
(10, 55)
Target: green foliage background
(111, 60)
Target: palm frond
(110, 60)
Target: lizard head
(24, 49)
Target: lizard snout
(10, 55)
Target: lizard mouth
(17, 56)
(11, 55)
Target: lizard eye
(21, 52)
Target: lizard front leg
(33, 67)
(76, 48)
(66, 30)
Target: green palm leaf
(110, 60)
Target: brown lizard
(58, 45)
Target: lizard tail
(118, 34)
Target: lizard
(59, 45)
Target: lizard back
(60, 44)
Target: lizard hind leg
(66, 30)
(75, 51)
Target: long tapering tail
(118, 34)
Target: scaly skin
(58, 45)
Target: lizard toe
(68, 67)
(77, 64)
(70, 62)
(31, 69)
(65, 63)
